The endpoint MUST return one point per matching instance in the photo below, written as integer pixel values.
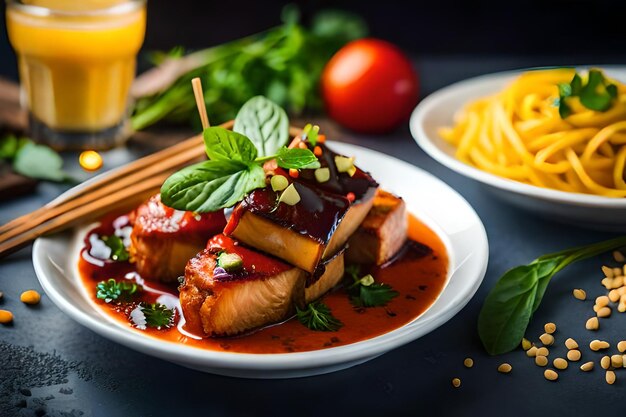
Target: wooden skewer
(199, 95)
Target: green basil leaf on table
(211, 185)
(296, 158)
(225, 145)
(265, 123)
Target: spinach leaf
(211, 185)
(39, 161)
(265, 123)
(225, 145)
(509, 307)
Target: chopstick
(147, 173)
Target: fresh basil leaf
(265, 123)
(211, 185)
(39, 161)
(594, 94)
(564, 109)
(225, 145)
(612, 90)
(576, 85)
(296, 158)
(565, 90)
(338, 26)
(507, 309)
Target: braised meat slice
(257, 291)
(382, 233)
(164, 239)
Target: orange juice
(77, 59)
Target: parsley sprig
(111, 289)
(317, 316)
(118, 250)
(158, 315)
(596, 94)
(365, 292)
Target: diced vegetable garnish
(290, 196)
(322, 174)
(279, 182)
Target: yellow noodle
(519, 134)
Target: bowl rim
(433, 102)
(204, 358)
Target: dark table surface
(51, 365)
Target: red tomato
(369, 86)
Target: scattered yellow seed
(551, 375)
(602, 301)
(605, 362)
(618, 256)
(580, 294)
(621, 346)
(610, 377)
(621, 291)
(571, 344)
(587, 366)
(505, 368)
(468, 362)
(547, 339)
(543, 351)
(532, 352)
(550, 328)
(574, 355)
(608, 272)
(597, 345)
(617, 282)
(617, 361)
(90, 160)
(614, 296)
(617, 272)
(6, 317)
(560, 363)
(541, 360)
(30, 297)
(607, 283)
(526, 344)
(621, 307)
(604, 312)
(624, 269)
(456, 382)
(592, 324)
(622, 297)
(596, 308)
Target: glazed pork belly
(164, 239)
(382, 233)
(315, 228)
(263, 290)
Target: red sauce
(418, 274)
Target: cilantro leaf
(317, 316)
(365, 292)
(112, 290)
(374, 295)
(118, 250)
(597, 94)
(157, 315)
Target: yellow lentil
(587, 366)
(526, 344)
(505, 368)
(608, 272)
(468, 362)
(597, 345)
(610, 377)
(550, 375)
(592, 324)
(571, 344)
(456, 382)
(550, 328)
(574, 355)
(605, 362)
(543, 351)
(617, 361)
(621, 346)
(541, 360)
(30, 297)
(580, 294)
(547, 339)
(532, 352)
(6, 317)
(604, 312)
(560, 363)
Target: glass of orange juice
(76, 63)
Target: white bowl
(56, 257)
(438, 110)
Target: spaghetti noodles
(519, 134)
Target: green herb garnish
(365, 292)
(284, 63)
(317, 316)
(508, 308)
(118, 250)
(157, 315)
(597, 94)
(110, 290)
(32, 160)
(233, 171)
(264, 123)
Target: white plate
(441, 208)
(438, 110)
